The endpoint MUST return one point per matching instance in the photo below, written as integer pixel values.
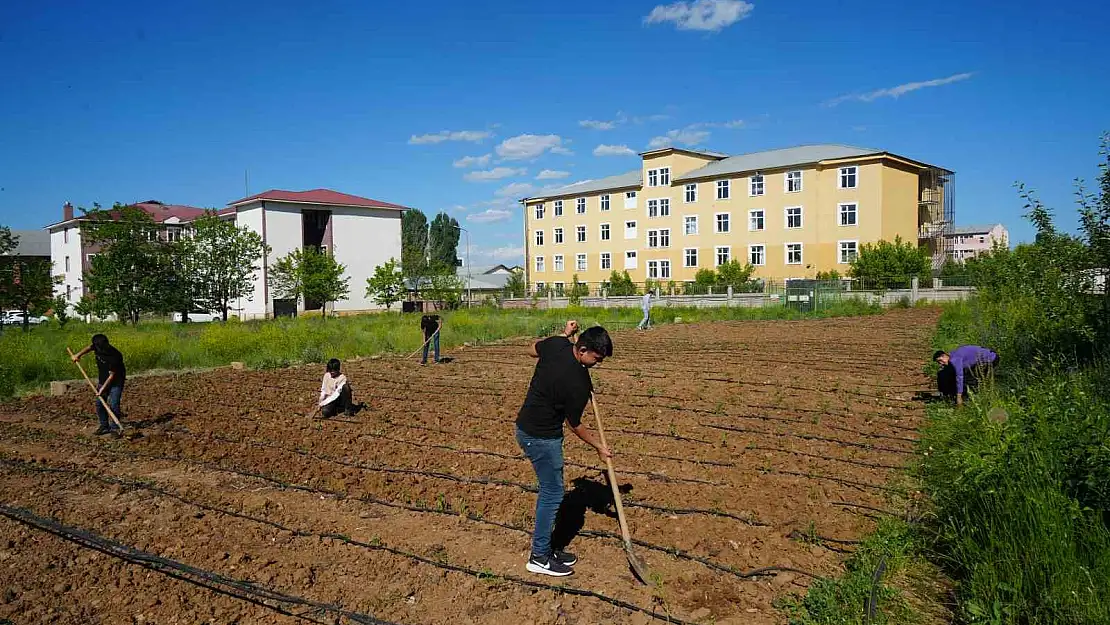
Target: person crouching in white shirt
(335, 392)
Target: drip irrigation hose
(809, 437)
(239, 589)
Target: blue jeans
(546, 455)
(435, 343)
(112, 396)
(645, 321)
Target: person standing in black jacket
(559, 391)
(431, 325)
(111, 375)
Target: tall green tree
(515, 286)
(30, 289)
(312, 275)
(128, 277)
(737, 275)
(891, 265)
(443, 241)
(1094, 223)
(224, 258)
(387, 285)
(414, 245)
(444, 287)
(8, 241)
(620, 283)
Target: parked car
(198, 315)
(15, 318)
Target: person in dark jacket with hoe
(962, 369)
(559, 391)
(431, 325)
(111, 375)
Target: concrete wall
(253, 307)
(363, 239)
(60, 248)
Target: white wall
(364, 238)
(59, 249)
(255, 306)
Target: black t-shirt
(107, 360)
(560, 390)
(429, 323)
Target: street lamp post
(469, 295)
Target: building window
(630, 199)
(794, 217)
(757, 255)
(539, 211)
(580, 206)
(848, 177)
(691, 224)
(722, 189)
(67, 264)
(722, 222)
(793, 181)
(653, 177)
(756, 185)
(665, 269)
(724, 254)
(653, 208)
(580, 262)
(755, 220)
(604, 232)
(691, 193)
(665, 177)
(539, 237)
(558, 208)
(847, 214)
(659, 208)
(653, 269)
(69, 292)
(606, 260)
(558, 262)
(848, 251)
(558, 235)
(558, 288)
(630, 230)
(605, 202)
(690, 257)
(630, 259)
(793, 253)
(539, 264)
(65, 235)
(658, 269)
(540, 287)
(580, 234)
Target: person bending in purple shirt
(969, 364)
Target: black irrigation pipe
(873, 465)
(848, 504)
(673, 551)
(838, 480)
(822, 541)
(250, 592)
(809, 437)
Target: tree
(444, 287)
(1094, 223)
(8, 241)
(30, 290)
(443, 242)
(621, 284)
(224, 258)
(515, 286)
(705, 277)
(60, 306)
(577, 290)
(387, 285)
(128, 276)
(887, 265)
(737, 275)
(831, 275)
(414, 245)
(310, 274)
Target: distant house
(360, 232)
(32, 245)
(970, 241)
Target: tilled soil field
(752, 456)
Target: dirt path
(734, 441)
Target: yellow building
(790, 212)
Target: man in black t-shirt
(559, 391)
(112, 375)
(430, 324)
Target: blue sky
(127, 100)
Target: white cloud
(613, 150)
(597, 125)
(489, 215)
(450, 135)
(686, 136)
(705, 15)
(497, 173)
(552, 174)
(561, 150)
(473, 161)
(506, 254)
(457, 208)
(900, 90)
(736, 123)
(515, 189)
(523, 147)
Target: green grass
(30, 360)
(1019, 481)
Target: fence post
(710, 290)
(730, 295)
(914, 284)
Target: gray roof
(774, 159)
(621, 181)
(31, 243)
(974, 229)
